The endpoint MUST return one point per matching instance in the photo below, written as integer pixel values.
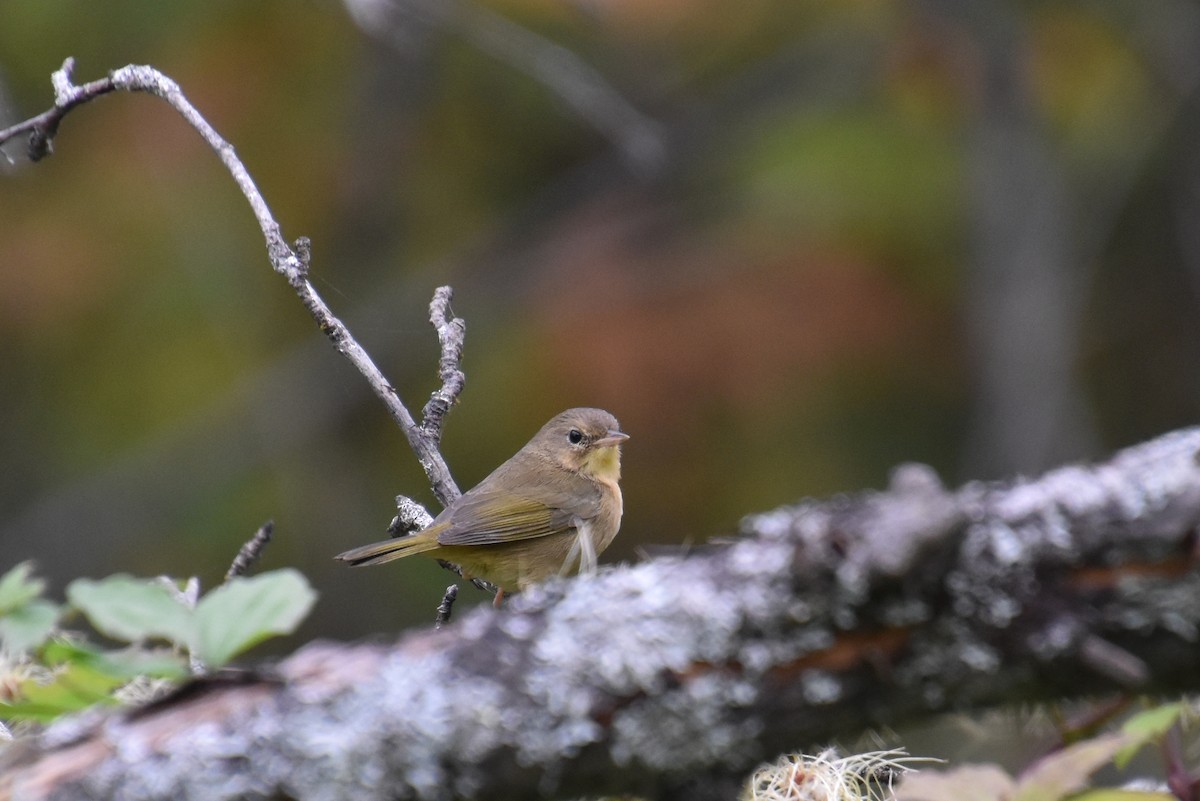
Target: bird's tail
(379, 552)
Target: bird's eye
(575, 436)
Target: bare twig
(284, 260)
(451, 331)
(44, 126)
(249, 553)
(293, 265)
(412, 517)
(479, 583)
(446, 606)
(578, 85)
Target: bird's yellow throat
(603, 464)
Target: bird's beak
(610, 439)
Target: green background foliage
(878, 231)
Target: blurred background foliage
(788, 244)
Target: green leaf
(86, 675)
(245, 611)
(18, 589)
(26, 710)
(1152, 724)
(130, 663)
(1067, 771)
(129, 609)
(123, 665)
(77, 687)
(27, 626)
(86, 683)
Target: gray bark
(674, 677)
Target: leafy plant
(46, 671)
(26, 620)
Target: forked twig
(284, 260)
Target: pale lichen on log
(678, 674)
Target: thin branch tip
(410, 517)
(451, 334)
(251, 551)
(446, 607)
(60, 79)
(479, 583)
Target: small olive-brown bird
(550, 509)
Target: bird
(551, 509)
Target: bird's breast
(608, 520)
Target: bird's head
(585, 441)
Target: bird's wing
(483, 517)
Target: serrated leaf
(27, 626)
(1152, 724)
(132, 610)
(245, 611)
(1056, 776)
(18, 589)
(976, 782)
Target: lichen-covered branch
(674, 677)
(410, 517)
(451, 331)
(285, 260)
